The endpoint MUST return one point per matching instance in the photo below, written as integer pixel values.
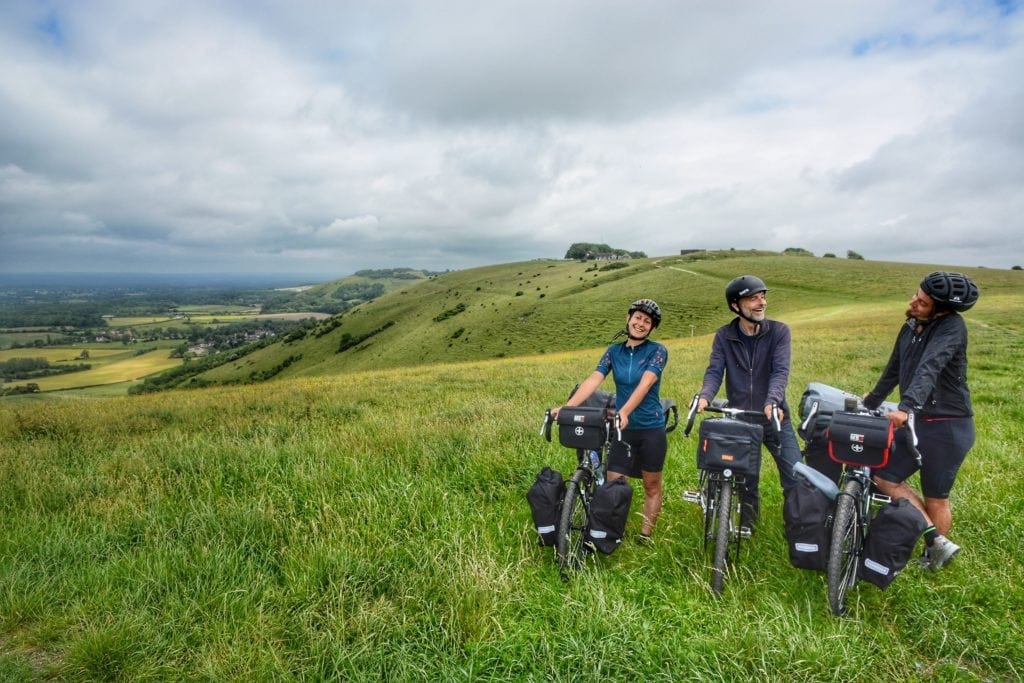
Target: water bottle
(595, 464)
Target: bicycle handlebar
(776, 419)
(910, 441)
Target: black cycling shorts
(647, 452)
(943, 443)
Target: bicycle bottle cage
(581, 427)
(860, 440)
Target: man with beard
(929, 362)
(752, 353)
(636, 365)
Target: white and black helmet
(647, 306)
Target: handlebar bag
(545, 499)
(581, 427)
(859, 440)
(727, 443)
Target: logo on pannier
(859, 438)
(579, 431)
(728, 457)
(579, 418)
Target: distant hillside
(546, 306)
(338, 296)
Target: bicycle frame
(579, 491)
(720, 499)
(851, 519)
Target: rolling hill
(546, 306)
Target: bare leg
(652, 500)
(940, 513)
(903, 490)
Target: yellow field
(62, 354)
(127, 369)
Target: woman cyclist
(636, 366)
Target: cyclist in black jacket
(929, 363)
(752, 355)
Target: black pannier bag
(609, 512)
(582, 427)
(731, 444)
(805, 512)
(856, 439)
(892, 535)
(545, 499)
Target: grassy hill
(371, 525)
(544, 306)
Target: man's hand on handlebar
(897, 417)
(772, 408)
(702, 403)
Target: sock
(929, 535)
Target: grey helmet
(950, 291)
(745, 285)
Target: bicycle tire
(846, 541)
(573, 522)
(722, 536)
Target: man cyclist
(929, 362)
(752, 354)
(636, 365)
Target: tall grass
(373, 526)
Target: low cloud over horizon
(332, 137)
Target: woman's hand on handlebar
(623, 420)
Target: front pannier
(545, 499)
(609, 512)
(859, 440)
(580, 427)
(730, 444)
(805, 512)
(890, 542)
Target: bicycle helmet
(647, 306)
(745, 285)
(950, 291)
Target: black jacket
(930, 368)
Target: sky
(327, 137)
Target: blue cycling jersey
(627, 365)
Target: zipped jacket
(628, 364)
(930, 368)
(752, 380)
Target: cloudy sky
(326, 137)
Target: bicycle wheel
(722, 536)
(846, 542)
(573, 522)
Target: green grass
(373, 526)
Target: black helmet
(647, 306)
(950, 291)
(745, 285)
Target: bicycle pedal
(880, 498)
(745, 532)
(692, 496)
